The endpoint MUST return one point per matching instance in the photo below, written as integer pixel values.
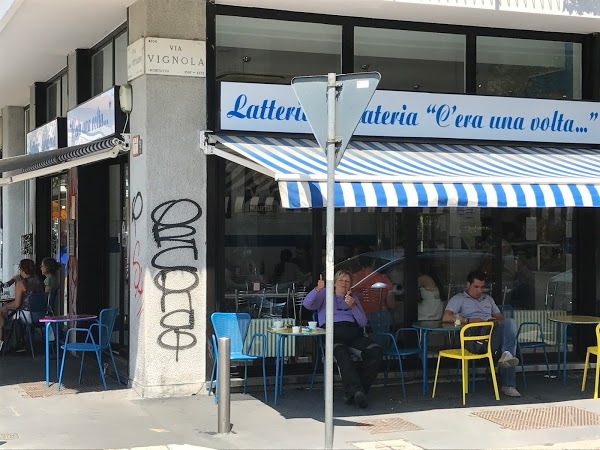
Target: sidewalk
(88, 417)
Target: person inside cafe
(26, 282)
(472, 306)
(430, 305)
(349, 321)
(372, 299)
(50, 270)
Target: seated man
(473, 305)
(349, 320)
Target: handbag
(478, 347)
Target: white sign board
(135, 59)
(159, 56)
(275, 108)
(43, 138)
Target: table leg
(48, 325)
(277, 357)
(566, 325)
(424, 361)
(282, 359)
(57, 342)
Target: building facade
(218, 204)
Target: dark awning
(25, 167)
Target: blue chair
(235, 326)
(381, 325)
(104, 327)
(538, 342)
(38, 308)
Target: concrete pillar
(13, 196)
(168, 226)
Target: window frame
(98, 47)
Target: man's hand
(320, 283)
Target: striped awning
(25, 167)
(384, 174)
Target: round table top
(71, 318)
(288, 332)
(436, 325)
(575, 319)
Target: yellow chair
(465, 356)
(592, 350)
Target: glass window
(412, 60)
(121, 59)
(53, 101)
(528, 68)
(64, 81)
(267, 248)
(274, 51)
(102, 69)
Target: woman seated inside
(50, 269)
(26, 282)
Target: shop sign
(93, 119)
(160, 56)
(275, 108)
(47, 137)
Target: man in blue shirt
(473, 305)
(349, 319)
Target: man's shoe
(507, 360)
(510, 391)
(360, 399)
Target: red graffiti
(138, 277)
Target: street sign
(354, 92)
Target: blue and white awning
(384, 174)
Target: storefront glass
(267, 248)
(412, 60)
(528, 68)
(275, 51)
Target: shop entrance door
(118, 265)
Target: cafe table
(53, 321)
(282, 335)
(562, 324)
(424, 327)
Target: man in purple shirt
(348, 337)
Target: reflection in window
(528, 68)
(121, 59)
(53, 101)
(102, 69)
(274, 51)
(412, 60)
(267, 248)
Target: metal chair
(381, 324)
(38, 308)
(235, 326)
(592, 350)
(527, 328)
(465, 356)
(104, 328)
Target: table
(565, 321)
(282, 334)
(425, 326)
(54, 321)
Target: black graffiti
(137, 207)
(174, 237)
